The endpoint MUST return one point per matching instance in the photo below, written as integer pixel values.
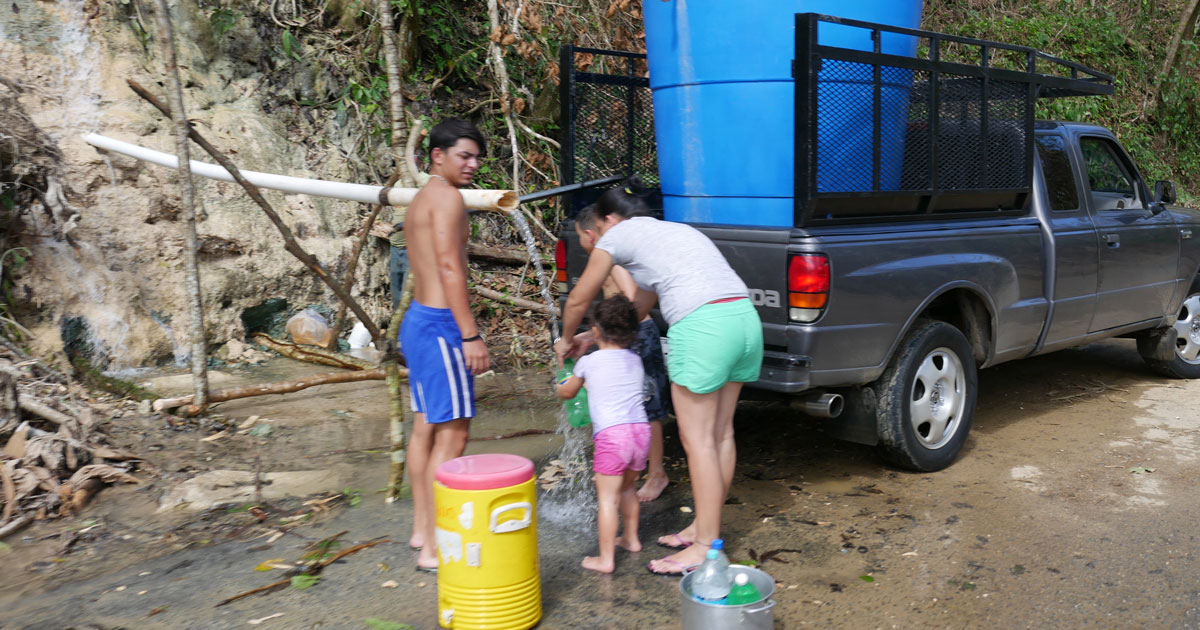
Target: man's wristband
(475, 337)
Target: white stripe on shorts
(462, 372)
(450, 377)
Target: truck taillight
(808, 287)
(560, 265)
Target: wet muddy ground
(1073, 505)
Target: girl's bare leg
(608, 498)
(630, 509)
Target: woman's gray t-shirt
(676, 261)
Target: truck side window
(1104, 170)
(1056, 167)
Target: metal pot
(759, 615)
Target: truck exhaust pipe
(823, 405)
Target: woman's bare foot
(655, 484)
(427, 562)
(416, 542)
(594, 563)
(628, 544)
(690, 556)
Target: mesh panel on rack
(842, 87)
(849, 158)
(613, 115)
(1006, 135)
(915, 173)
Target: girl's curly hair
(617, 319)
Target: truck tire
(1174, 352)
(927, 398)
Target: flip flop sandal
(427, 569)
(679, 543)
(683, 569)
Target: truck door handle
(1184, 234)
(1113, 240)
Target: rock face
(110, 280)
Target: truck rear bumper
(784, 372)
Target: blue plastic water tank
(724, 104)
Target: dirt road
(1074, 505)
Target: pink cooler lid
(485, 472)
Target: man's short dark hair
(448, 132)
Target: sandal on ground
(678, 568)
(673, 541)
(427, 569)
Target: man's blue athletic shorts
(439, 382)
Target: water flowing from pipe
(571, 504)
(536, 258)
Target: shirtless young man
(439, 337)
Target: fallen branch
(502, 255)
(264, 389)
(17, 523)
(290, 243)
(515, 301)
(44, 412)
(10, 494)
(312, 354)
(312, 571)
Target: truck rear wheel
(1175, 352)
(927, 398)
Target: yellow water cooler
(488, 576)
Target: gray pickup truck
(881, 318)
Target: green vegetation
(1127, 39)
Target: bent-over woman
(715, 340)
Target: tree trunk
(1187, 29)
(396, 392)
(395, 72)
(166, 36)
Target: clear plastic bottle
(743, 591)
(711, 582)
(718, 545)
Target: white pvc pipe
(488, 200)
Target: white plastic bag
(308, 327)
(359, 337)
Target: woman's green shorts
(716, 344)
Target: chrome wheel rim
(937, 398)
(1187, 325)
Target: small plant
(353, 497)
(303, 581)
(221, 21)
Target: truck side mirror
(1164, 191)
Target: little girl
(613, 376)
